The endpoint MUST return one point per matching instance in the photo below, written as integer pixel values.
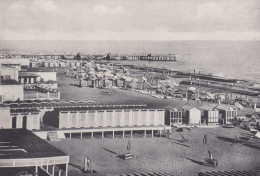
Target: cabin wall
(108, 118)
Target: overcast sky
(130, 20)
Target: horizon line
(255, 40)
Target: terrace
(21, 148)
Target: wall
(12, 72)
(46, 76)
(5, 118)
(11, 92)
(195, 116)
(111, 118)
(32, 122)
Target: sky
(130, 20)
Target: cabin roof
(226, 107)
(188, 108)
(207, 108)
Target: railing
(33, 161)
(41, 96)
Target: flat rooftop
(9, 82)
(42, 69)
(22, 144)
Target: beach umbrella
(210, 95)
(192, 88)
(222, 97)
(257, 134)
(239, 106)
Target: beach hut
(173, 116)
(227, 113)
(120, 82)
(191, 115)
(109, 82)
(51, 64)
(210, 114)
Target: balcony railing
(41, 95)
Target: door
(24, 121)
(14, 122)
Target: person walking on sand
(205, 139)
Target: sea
(232, 59)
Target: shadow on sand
(226, 139)
(180, 143)
(75, 85)
(76, 166)
(82, 169)
(109, 151)
(252, 146)
(243, 140)
(194, 161)
(121, 157)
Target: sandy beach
(165, 155)
(156, 154)
(70, 91)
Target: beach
(71, 91)
(165, 155)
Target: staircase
(53, 136)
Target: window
(7, 77)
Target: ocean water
(236, 59)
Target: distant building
(191, 115)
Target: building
(107, 119)
(25, 152)
(14, 61)
(228, 113)
(173, 116)
(25, 118)
(210, 114)
(28, 78)
(191, 115)
(44, 74)
(8, 72)
(105, 116)
(11, 90)
(120, 82)
(20, 118)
